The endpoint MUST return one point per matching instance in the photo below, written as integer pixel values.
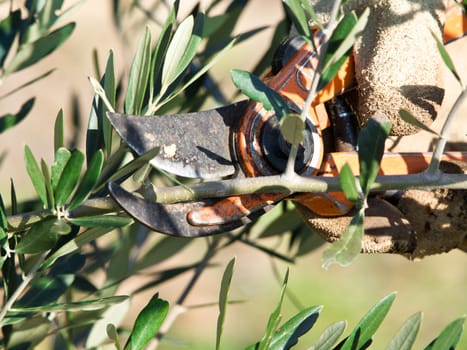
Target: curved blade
(195, 145)
(171, 219)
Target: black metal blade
(171, 219)
(195, 145)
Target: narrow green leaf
(223, 295)
(349, 184)
(255, 89)
(200, 72)
(7, 121)
(287, 336)
(340, 45)
(34, 172)
(147, 323)
(192, 47)
(30, 53)
(311, 13)
(48, 184)
(330, 336)
(76, 306)
(160, 51)
(106, 221)
(292, 128)
(362, 334)
(449, 336)
(346, 249)
(3, 217)
(110, 89)
(139, 75)
(69, 178)
(409, 118)
(89, 180)
(77, 243)
(59, 134)
(175, 51)
(274, 318)
(447, 59)
(405, 337)
(298, 17)
(370, 149)
(9, 27)
(62, 156)
(131, 166)
(41, 237)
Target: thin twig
(24, 283)
(433, 169)
(327, 32)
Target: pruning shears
(244, 140)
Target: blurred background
(436, 285)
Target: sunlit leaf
(107, 221)
(45, 290)
(139, 75)
(59, 134)
(405, 337)
(9, 120)
(298, 16)
(36, 176)
(292, 128)
(62, 156)
(409, 118)
(288, 334)
(349, 184)
(347, 248)
(449, 336)
(147, 323)
(41, 237)
(258, 91)
(131, 166)
(330, 336)
(48, 184)
(176, 51)
(30, 53)
(446, 58)
(89, 180)
(161, 49)
(362, 334)
(340, 45)
(77, 243)
(274, 318)
(201, 71)
(370, 149)
(223, 298)
(193, 44)
(85, 305)
(69, 178)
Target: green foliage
(147, 323)
(53, 246)
(255, 89)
